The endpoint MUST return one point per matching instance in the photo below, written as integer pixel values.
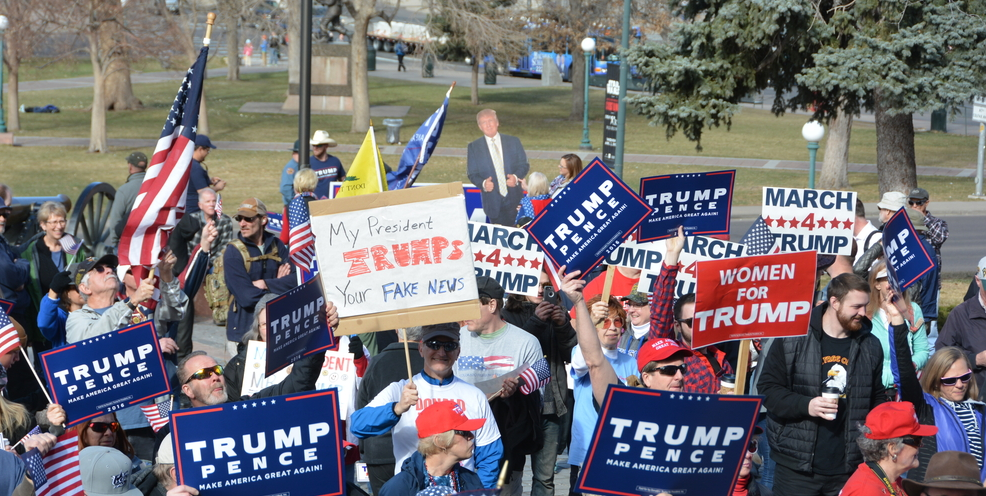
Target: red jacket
(864, 482)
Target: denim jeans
(543, 460)
(767, 469)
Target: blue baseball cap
(203, 140)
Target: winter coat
(412, 478)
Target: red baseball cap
(444, 416)
(896, 419)
(656, 350)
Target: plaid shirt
(937, 233)
(224, 227)
(701, 376)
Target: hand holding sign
(409, 398)
(674, 246)
(571, 285)
(56, 414)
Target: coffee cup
(727, 385)
(831, 393)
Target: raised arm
(601, 373)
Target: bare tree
(362, 11)
(28, 27)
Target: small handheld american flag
(157, 414)
(35, 467)
(9, 341)
(61, 465)
(535, 377)
(301, 240)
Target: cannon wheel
(89, 217)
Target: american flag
(219, 205)
(35, 467)
(157, 414)
(69, 244)
(476, 362)
(61, 466)
(301, 239)
(535, 377)
(758, 240)
(9, 341)
(161, 200)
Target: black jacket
(411, 478)
(302, 377)
(556, 344)
(792, 377)
(387, 367)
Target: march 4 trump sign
(810, 219)
(766, 296)
(508, 255)
(694, 447)
(106, 373)
(589, 219)
(296, 449)
(699, 201)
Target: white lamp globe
(813, 131)
(3, 22)
(589, 45)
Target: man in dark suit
(496, 163)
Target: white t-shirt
(486, 356)
(405, 433)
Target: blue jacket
(240, 284)
(287, 181)
(412, 478)
(14, 272)
(51, 321)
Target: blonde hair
(938, 366)
(432, 445)
(875, 297)
(49, 208)
(537, 184)
(13, 418)
(305, 181)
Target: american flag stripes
(161, 200)
(301, 239)
(535, 376)
(9, 341)
(157, 414)
(61, 466)
(35, 467)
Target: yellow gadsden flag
(367, 174)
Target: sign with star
(699, 201)
(810, 219)
(103, 374)
(282, 445)
(695, 446)
(508, 255)
(648, 257)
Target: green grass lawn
(537, 115)
(80, 66)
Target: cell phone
(549, 295)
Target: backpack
(247, 263)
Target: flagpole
(376, 158)
(31, 366)
(210, 19)
(410, 175)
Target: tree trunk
(474, 89)
(294, 43)
(896, 167)
(118, 91)
(232, 50)
(97, 125)
(13, 98)
(357, 64)
(578, 84)
(835, 168)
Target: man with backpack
(254, 263)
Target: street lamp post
(3, 27)
(813, 132)
(588, 46)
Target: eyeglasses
(669, 370)
(56, 222)
(917, 203)
(687, 322)
(950, 381)
(5, 213)
(753, 446)
(100, 427)
(614, 322)
(465, 434)
(240, 218)
(102, 268)
(912, 441)
(436, 345)
(205, 373)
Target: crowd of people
(873, 393)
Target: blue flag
(419, 148)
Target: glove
(61, 282)
(356, 347)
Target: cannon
(87, 222)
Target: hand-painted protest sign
(695, 447)
(766, 296)
(339, 372)
(907, 258)
(295, 326)
(648, 257)
(590, 218)
(508, 255)
(255, 375)
(399, 258)
(810, 219)
(699, 201)
(106, 373)
(296, 448)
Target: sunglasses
(753, 446)
(912, 441)
(670, 370)
(240, 218)
(100, 427)
(436, 345)
(5, 213)
(101, 268)
(205, 373)
(465, 434)
(950, 381)
(916, 203)
(687, 322)
(617, 322)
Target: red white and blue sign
(699, 201)
(296, 326)
(106, 373)
(282, 445)
(590, 218)
(694, 447)
(907, 258)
